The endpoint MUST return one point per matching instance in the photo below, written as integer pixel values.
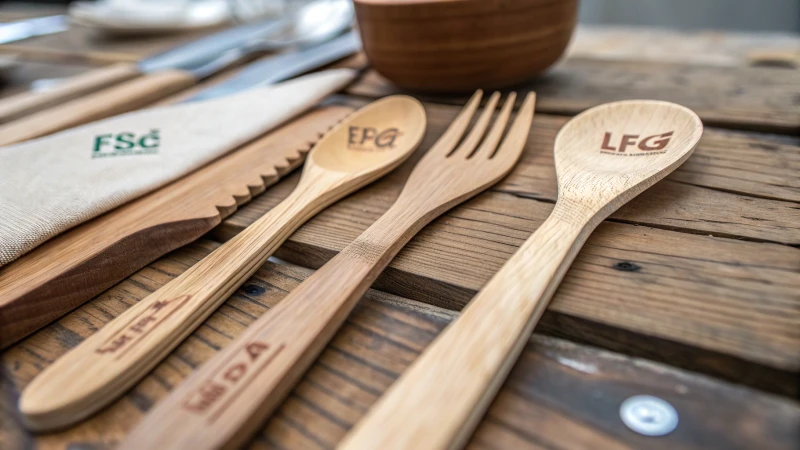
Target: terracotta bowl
(462, 45)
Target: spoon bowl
(613, 148)
(376, 136)
(112, 360)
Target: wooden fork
(223, 404)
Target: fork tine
(477, 132)
(512, 145)
(447, 142)
(493, 138)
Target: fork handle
(112, 360)
(438, 401)
(25, 103)
(225, 402)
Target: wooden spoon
(224, 403)
(367, 145)
(604, 157)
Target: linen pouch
(51, 184)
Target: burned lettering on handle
(225, 384)
(141, 325)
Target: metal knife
(23, 29)
(164, 78)
(183, 57)
(283, 66)
(144, 90)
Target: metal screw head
(648, 415)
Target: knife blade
(204, 50)
(283, 66)
(23, 29)
(157, 84)
(183, 57)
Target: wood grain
(105, 103)
(736, 316)
(114, 359)
(67, 270)
(445, 46)
(760, 99)
(277, 349)
(619, 293)
(625, 268)
(747, 164)
(714, 186)
(12, 108)
(698, 47)
(553, 384)
(604, 157)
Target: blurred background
(743, 15)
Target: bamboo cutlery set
(604, 157)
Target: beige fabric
(51, 184)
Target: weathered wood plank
(549, 401)
(695, 293)
(750, 164)
(726, 306)
(763, 99)
(700, 47)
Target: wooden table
(690, 293)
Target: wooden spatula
(361, 149)
(604, 157)
(274, 352)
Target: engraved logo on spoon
(632, 145)
(369, 139)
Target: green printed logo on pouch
(126, 143)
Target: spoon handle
(439, 400)
(225, 402)
(116, 357)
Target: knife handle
(99, 105)
(29, 102)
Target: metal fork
(224, 403)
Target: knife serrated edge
(68, 270)
(272, 170)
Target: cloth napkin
(51, 184)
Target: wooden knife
(73, 267)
